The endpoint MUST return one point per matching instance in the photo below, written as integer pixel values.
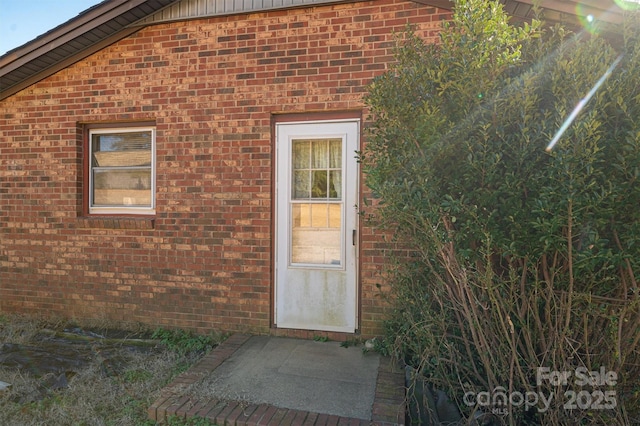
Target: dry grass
(115, 387)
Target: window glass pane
(316, 231)
(335, 215)
(316, 228)
(301, 184)
(121, 170)
(335, 184)
(319, 184)
(301, 154)
(319, 215)
(335, 154)
(317, 165)
(319, 154)
(301, 214)
(122, 187)
(121, 149)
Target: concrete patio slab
(297, 374)
(264, 380)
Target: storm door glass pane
(301, 184)
(301, 155)
(317, 169)
(319, 184)
(319, 154)
(335, 184)
(335, 154)
(316, 202)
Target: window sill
(114, 222)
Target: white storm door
(316, 223)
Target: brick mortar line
(222, 352)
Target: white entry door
(316, 223)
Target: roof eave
(59, 66)
(77, 38)
(67, 32)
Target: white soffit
(191, 9)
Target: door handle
(353, 237)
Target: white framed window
(122, 170)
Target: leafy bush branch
(521, 258)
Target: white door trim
(332, 304)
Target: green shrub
(185, 342)
(522, 258)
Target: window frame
(88, 208)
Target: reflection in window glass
(319, 154)
(317, 220)
(122, 187)
(316, 233)
(121, 169)
(335, 154)
(317, 169)
(335, 184)
(301, 184)
(319, 184)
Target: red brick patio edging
(388, 405)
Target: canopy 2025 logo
(594, 399)
(600, 396)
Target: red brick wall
(212, 86)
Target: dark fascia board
(59, 66)
(65, 33)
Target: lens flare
(581, 104)
(628, 4)
(588, 20)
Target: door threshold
(336, 336)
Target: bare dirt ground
(66, 373)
